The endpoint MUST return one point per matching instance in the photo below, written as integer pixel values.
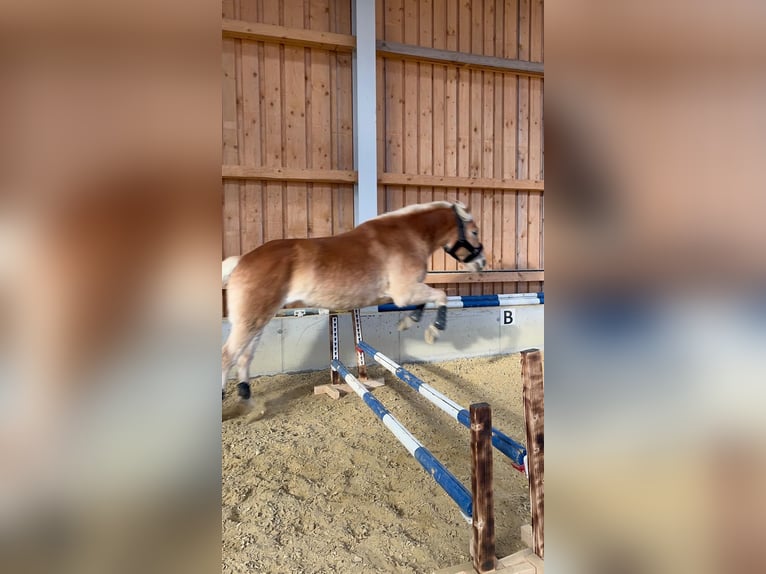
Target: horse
(383, 259)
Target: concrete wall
(293, 344)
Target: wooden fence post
(534, 414)
(484, 559)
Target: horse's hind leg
(243, 366)
(237, 342)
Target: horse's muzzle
(477, 264)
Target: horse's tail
(227, 268)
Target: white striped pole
(443, 477)
(502, 442)
(473, 301)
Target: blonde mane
(406, 210)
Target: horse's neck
(439, 226)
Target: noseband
(462, 242)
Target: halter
(473, 252)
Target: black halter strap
(462, 242)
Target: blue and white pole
(443, 477)
(473, 301)
(502, 442)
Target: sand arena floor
(318, 485)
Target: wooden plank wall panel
(319, 140)
(344, 120)
(294, 121)
(394, 96)
(443, 119)
(291, 107)
(534, 209)
(286, 107)
(522, 150)
(451, 125)
(438, 118)
(251, 192)
(510, 49)
(231, 190)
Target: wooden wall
(447, 120)
(445, 131)
(286, 107)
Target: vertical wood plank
(251, 199)
(425, 116)
(509, 237)
(477, 25)
(380, 33)
(230, 152)
(411, 100)
(484, 559)
(464, 93)
(345, 96)
(488, 32)
(295, 122)
(438, 150)
(333, 8)
(272, 108)
(344, 197)
(475, 146)
(534, 414)
(380, 79)
(488, 138)
(394, 78)
(534, 213)
(319, 141)
(343, 14)
(451, 114)
(522, 228)
(497, 157)
(380, 15)
(464, 104)
(510, 135)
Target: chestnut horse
(381, 260)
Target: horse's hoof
(243, 390)
(431, 334)
(405, 323)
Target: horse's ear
(463, 211)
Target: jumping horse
(382, 260)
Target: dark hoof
(243, 390)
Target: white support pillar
(364, 102)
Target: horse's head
(466, 247)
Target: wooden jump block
(521, 562)
(526, 535)
(333, 391)
(337, 391)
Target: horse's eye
(475, 233)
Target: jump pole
(477, 506)
(502, 442)
(443, 477)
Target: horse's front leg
(420, 294)
(411, 318)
